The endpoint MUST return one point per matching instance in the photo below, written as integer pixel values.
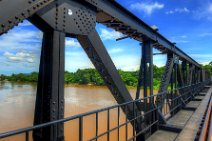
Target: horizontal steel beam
(111, 10)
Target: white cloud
(25, 23)
(30, 60)
(72, 42)
(210, 7)
(20, 39)
(159, 60)
(109, 34)
(127, 62)
(205, 34)
(204, 12)
(154, 27)
(202, 58)
(148, 8)
(180, 39)
(178, 10)
(205, 63)
(115, 50)
(77, 60)
(19, 57)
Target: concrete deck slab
(162, 135)
(180, 119)
(193, 104)
(190, 130)
(200, 97)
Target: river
(17, 103)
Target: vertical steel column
(140, 76)
(190, 74)
(147, 58)
(180, 79)
(171, 105)
(184, 71)
(201, 75)
(146, 79)
(50, 90)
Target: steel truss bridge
(58, 19)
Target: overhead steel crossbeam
(115, 16)
(109, 13)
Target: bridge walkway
(188, 121)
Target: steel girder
(109, 11)
(180, 77)
(167, 73)
(70, 18)
(50, 90)
(13, 12)
(184, 72)
(100, 58)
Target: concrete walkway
(187, 119)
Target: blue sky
(186, 22)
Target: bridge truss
(58, 19)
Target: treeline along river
(88, 76)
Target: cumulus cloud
(72, 42)
(148, 8)
(109, 34)
(21, 39)
(178, 10)
(19, 57)
(126, 62)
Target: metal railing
(173, 101)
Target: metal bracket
(19, 10)
(69, 16)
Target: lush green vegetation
(91, 76)
(208, 67)
(33, 77)
(88, 76)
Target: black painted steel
(99, 56)
(50, 92)
(109, 12)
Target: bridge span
(180, 111)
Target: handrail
(197, 87)
(206, 125)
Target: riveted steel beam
(167, 73)
(13, 12)
(100, 58)
(50, 90)
(111, 10)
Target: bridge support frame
(50, 90)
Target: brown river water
(17, 103)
